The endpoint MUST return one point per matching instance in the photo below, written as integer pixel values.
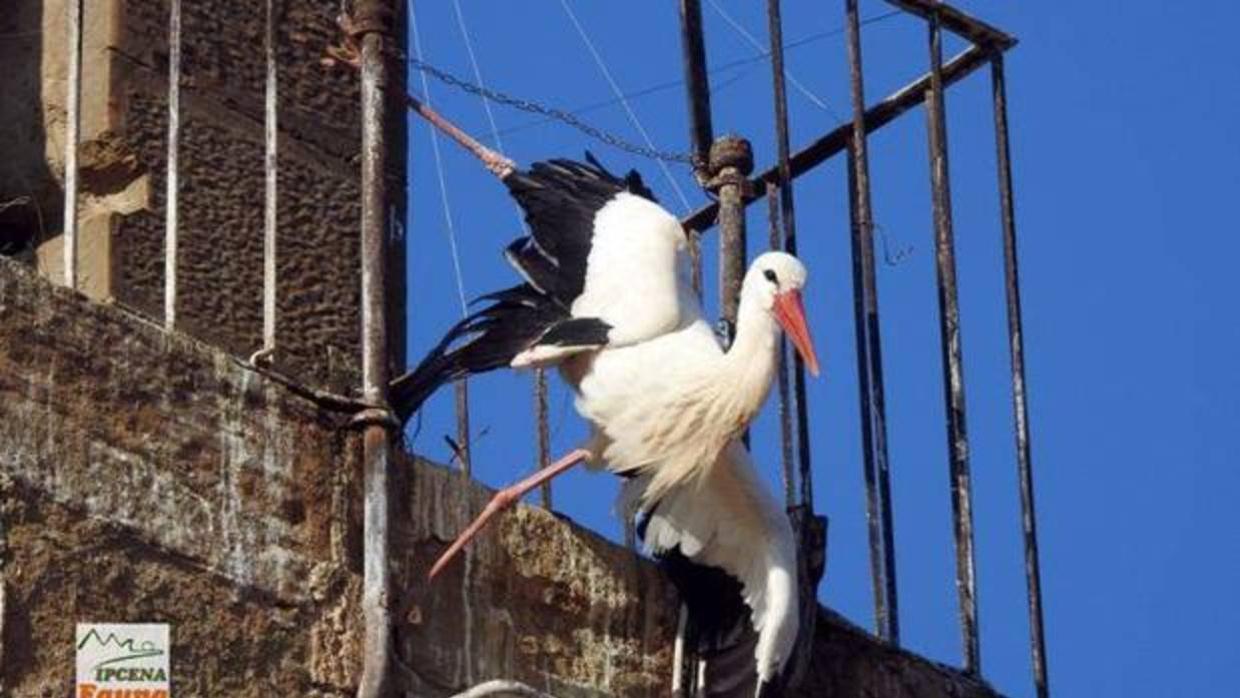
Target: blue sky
(1125, 153)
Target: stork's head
(775, 280)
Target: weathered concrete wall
(145, 476)
(221, 211)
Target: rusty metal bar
(495, 162)
(836, 140)
(271, 179)
(374, 23)
(73, 116)
(786, 461)
(731, 161)
(960, 23)
(171, 203)
(701, 134)
(460, 390)
(695, 260)
(873, 408)
(544, 431)
(1016, 343)
(873, 508)
(953, 363)
(787, 212)
(810, 529)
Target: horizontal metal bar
(959, 22)
(835, 141)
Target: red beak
(790, 313)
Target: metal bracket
(375, 416)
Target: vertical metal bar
(697, 90)
(873, 508)
(544, 431)
(775, 28)
(73, 115)
(271, 172)
(377, 485)
(695, 259)
(786, 461)
(731, 161)
(1016, 344)
(460, 391)
(721, 166)
(697, 82)
(171, 204)
(810, 529)
(869, 352)
(953, 363)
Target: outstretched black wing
(561, 199)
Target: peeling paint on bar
(271, 162)
(73, 116)
(171, 203)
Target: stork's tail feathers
(485, 340)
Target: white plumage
(671, 410)
(731, 521)
(607, 299)
(631, 280)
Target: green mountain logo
(146, 649)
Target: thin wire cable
(598, 59)
(461, 386)
(569, 117)
(443, 187)
(543, 431)
(730, 65)
(765, 53)
(557, 114)
(486, 103)
(715, 88)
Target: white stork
(606, 298)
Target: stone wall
(146, 476)
(124, 135)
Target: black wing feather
(560, 199)
(517, 319)
(485, 340)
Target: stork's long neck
(750, 363)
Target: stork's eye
(770, 276)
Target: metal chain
(526, 105)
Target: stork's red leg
(504, 499)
